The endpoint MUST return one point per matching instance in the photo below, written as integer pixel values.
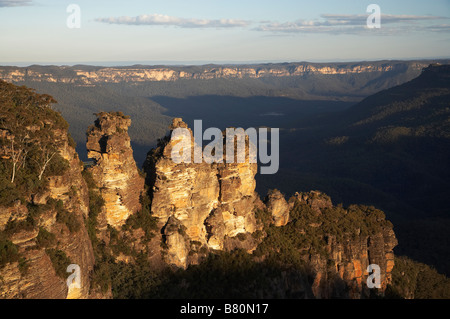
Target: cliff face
(278, 207)
(210, 204)
(92, 76)
(114, 170)
(44, 229)
(353, 239)
(200, 208)
(214, 206)
(349, 262)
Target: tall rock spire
(114, 170)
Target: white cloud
(358, 19)
(354, 24)
(327, 23)
(439, 28)
(15, 3)
(160, 19)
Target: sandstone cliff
(348, 251)
(213, 203)
(94, 75)
(215, 206)
(278, 207)
(43, 229)
(114, 169)
(335, 244)
(200, 208)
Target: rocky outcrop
(315, 199)
(176, 242)
(213, 205)
(213, 202)
(114, 170)
(346, 275)
(278, 207)
(65, 199)
(200, 206)
(341, 270)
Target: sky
(219, 31)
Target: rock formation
(278, 207)
(213, 205)
(49, 220)
(200, 207)
(92, 76)
(213, 202)
(114, 170)
(341, 271)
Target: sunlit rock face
(80, 76)
(212, 201)
(278, 207)
(114, 170)
(340, 271)
(40, 280)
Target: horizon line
(204, 63)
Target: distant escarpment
(89, 75)
(203, 217)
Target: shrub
(89, 179)
(45, 238)
(8, 252)
(69, 219)
(14, 226)
(57, 166)
(143, 219)
(23, 266)
(263, 217)
(101, 277)
(59, 260)
(72, 142)
(119, 243)
(9, 193)
(411, 279)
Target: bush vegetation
(45, 238)
(101, 277)
(59, 260)
(28, 147)
(308, 231)
(411, 279)
(8, 251)
(143, 219)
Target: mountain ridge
(90, 75)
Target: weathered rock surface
(278, 207)
(92, 76)
(349, 260)
(342, 271)
(315, 199)
(114, 170)
(41, 280)
(212, 201)
(175, 239)
(200, 207)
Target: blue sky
(202, 31)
